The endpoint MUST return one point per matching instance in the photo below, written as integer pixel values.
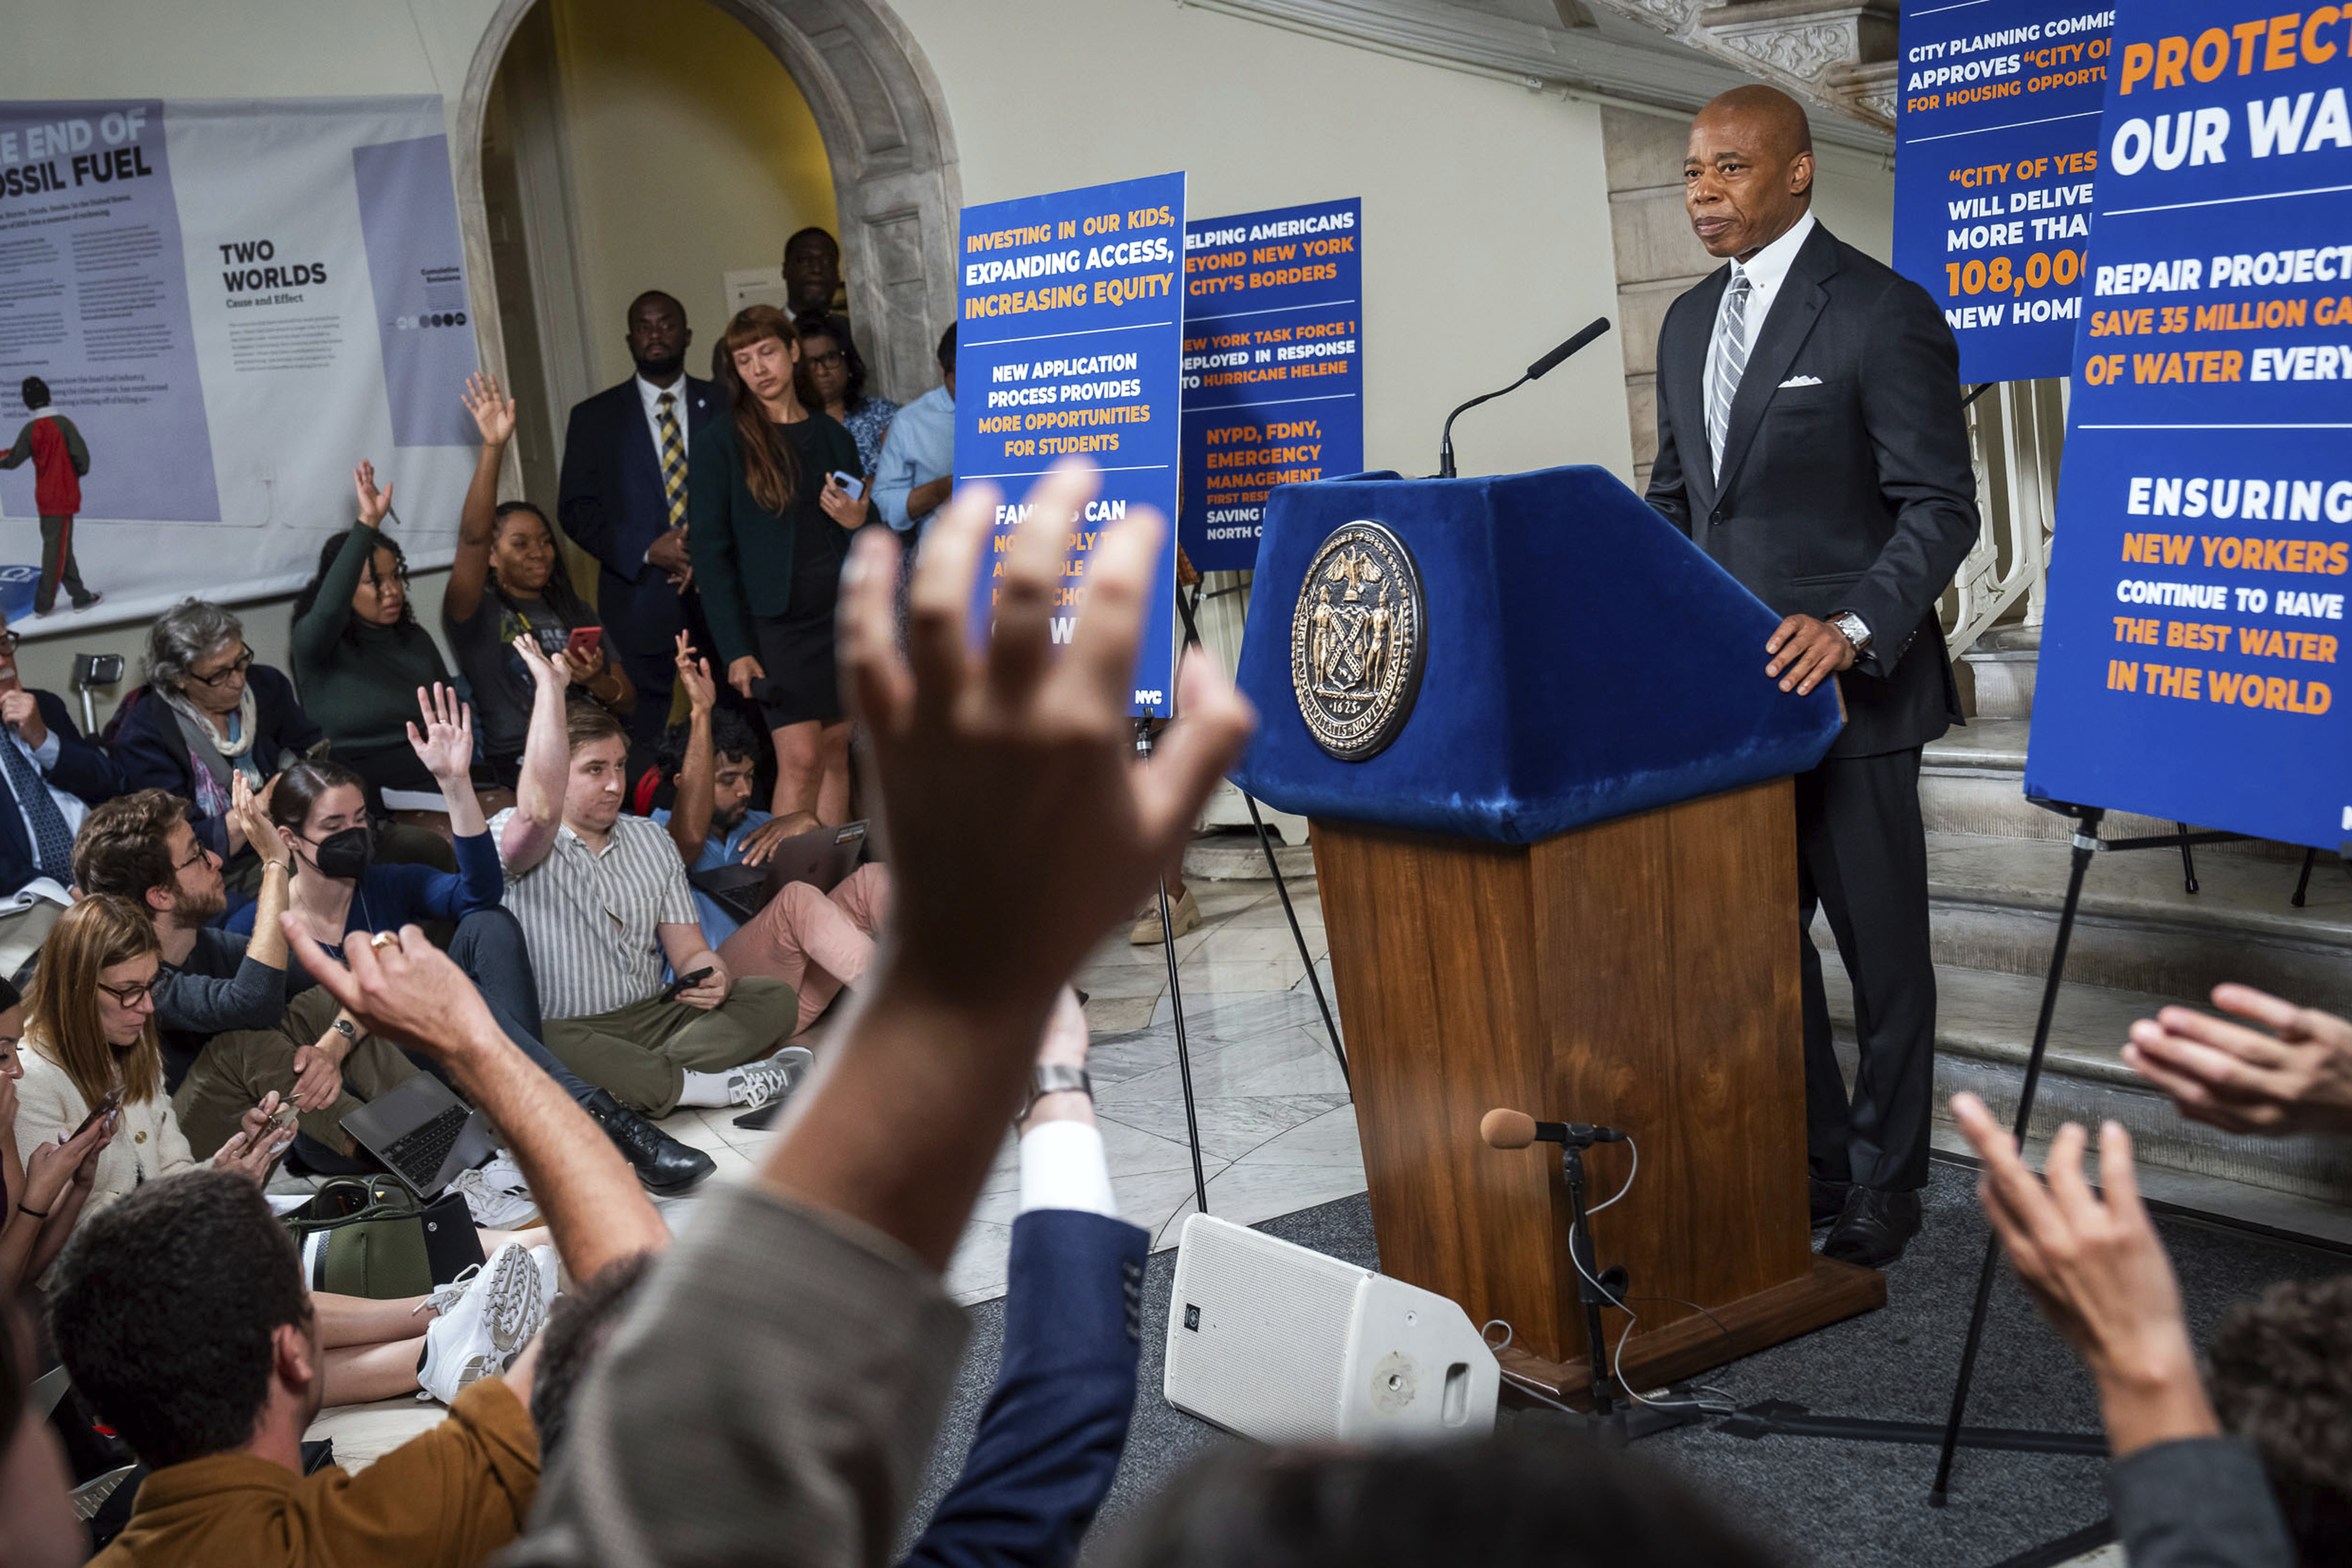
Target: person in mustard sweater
(60, 458)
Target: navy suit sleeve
(151, 755)
(1050, 1439)
(581, 505)
(1911, 411)
(1667, 492)
(83, 768)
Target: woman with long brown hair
(90, 1032)
(769, 524)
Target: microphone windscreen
(1550, 361)
(1507, 1128)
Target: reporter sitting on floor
(230, 1025)
(783, 1380)
(215, 1385)
(42, 1194)
(604, 901)
(2182, 1493)
(215, 981)
(815, 941)
(90, 1030)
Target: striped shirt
(591, 919)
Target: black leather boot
(666, 1166)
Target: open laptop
(823, 857)
(423, 1133)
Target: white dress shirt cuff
(45, 753)
(1063, 1167)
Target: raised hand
(2291, 1073)
(445, 746)
(694, 674)
(2097, 1270)
(248, 810)
(547, 671)
(493, 413)
(1004, 767)
(374, 502)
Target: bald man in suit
(1811, 439)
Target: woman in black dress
(769, 521)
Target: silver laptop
(423, 1133)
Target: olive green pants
(237, 1068)
(643, 1052)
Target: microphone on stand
(1536, 372)
(1516, 1130)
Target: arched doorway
(887, 141)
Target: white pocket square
(1802, 380)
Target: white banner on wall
(234, 302)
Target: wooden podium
(1601, 931)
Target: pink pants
(815, 942)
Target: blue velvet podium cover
(1585, 662)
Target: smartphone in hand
(110, 1101)
(686, 981)
(850, 482)
(582, 644)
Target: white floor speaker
(1285, 1345)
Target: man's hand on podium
(1805, 652)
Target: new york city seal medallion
(1357, 641)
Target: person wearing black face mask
(339, 889)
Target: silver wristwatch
(1054, 1077)
(1853, 628)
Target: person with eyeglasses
(53, 776)
(359, 655)
(90, 1033)
(206, 713)
(836, 384)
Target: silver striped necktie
(1726, 363)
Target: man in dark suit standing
(1810, 440)
(623, 499)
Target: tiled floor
(1277, 1133)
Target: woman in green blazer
(768, 526)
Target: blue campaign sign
(1995, 148)
(1273, 380)
(1072, 328)
(2191, 662)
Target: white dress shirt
(1064, 1166)
(1765, 271)
(652, 396)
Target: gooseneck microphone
(1516, 1130)
(1536, 372)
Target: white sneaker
(486, 1328)
(498, 1196)
(765, 1082)
(551, 1272)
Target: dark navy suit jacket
(1049, 1440)
(83, 769)
(610, 496)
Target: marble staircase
(1998, 868)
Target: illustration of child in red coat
(59, 457)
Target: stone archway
(887, 136)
